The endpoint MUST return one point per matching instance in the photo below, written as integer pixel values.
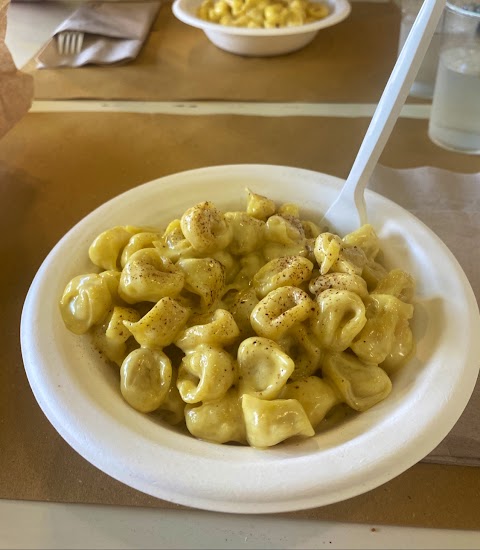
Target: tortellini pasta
(220, 420)
(280, 311)
(206, 373)
(316, 396)
(340, 316)
(269, 422)
(145, 377)
(149, 277)
(360, 385)
(106, 249)
(85, 302)
(283, 271)
(159, 327)
(263, 368)
(206, 228)
(249, 327)
(262, 13)
(204, 281)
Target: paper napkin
(114, 33)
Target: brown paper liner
(348, 62)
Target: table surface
(26, 524)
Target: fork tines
(69, 42)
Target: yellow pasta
(263, 367)
(304, 348)
(204, 282)
(262, 13)
(149, 277)
(247, 233)
(280, 311)
(218, 328)
(220, 420)
(159, 327)
(270, 422)
(340, 316)
(316, 396)
(283, 271)
(144, 239)
(206, 374)
(360, 385)
(145, 377)
(249, 327)
(85, 302)
(205, 227)
(106, 249)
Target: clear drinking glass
(425, 79)
(455, 115)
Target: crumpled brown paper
(16, 88)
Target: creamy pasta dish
(267, 14)
(247, 327)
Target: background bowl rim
(342, 9)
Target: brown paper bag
(16, 88)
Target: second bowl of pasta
(261, 28)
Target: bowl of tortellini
(261, 28)
(204, 339)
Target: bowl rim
(341, 10)
(111, 446)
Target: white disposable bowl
(80, 394)
(259, 42)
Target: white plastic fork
(70, 42)
(348, 211)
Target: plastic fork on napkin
(114, 32)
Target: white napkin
(449, 203)
(114, 33)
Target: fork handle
(388, 109)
